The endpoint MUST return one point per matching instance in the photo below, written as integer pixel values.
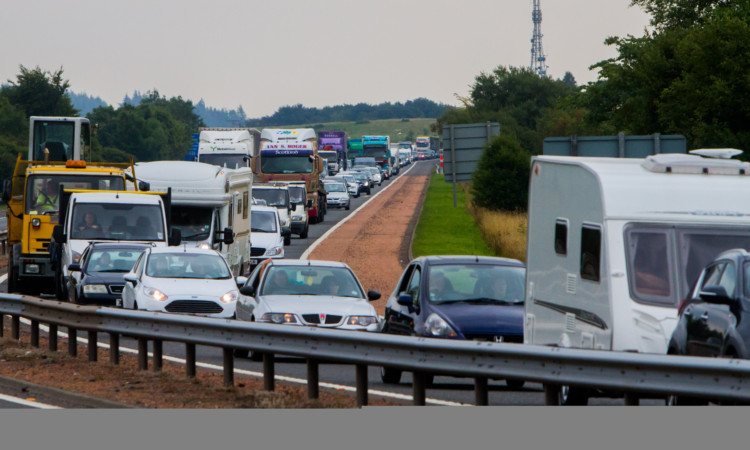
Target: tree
(687, 13)
(40, 93)
(502, 176)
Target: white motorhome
(228, 147)
(614, 245)
(210, 205)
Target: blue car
(458, 297)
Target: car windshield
(193, 222)
(273, 197)
(311, 280)
(335, 187)
(112, 260)
(262, 221)
(117, 221)
(476, 283)
(187, 265)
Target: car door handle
(704, 316)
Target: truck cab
(59, 138)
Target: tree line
(687, 75)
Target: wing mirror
(131, 278)
(309, 203)
(373, 295)
(228, 236)
(175, 237)
(248, 291)
(716, 294)
(74, 267)
(240, 281)
(58, 234)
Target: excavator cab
(59, 139)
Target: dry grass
(504, 232)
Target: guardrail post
(93, 347)
(35, 333)
(72, 342)
(52, 337)
(114, 348)
(228, 366)
(269, 377)
(481, 391)
(190, 360)
(418, 387)
(632, 399)
(313, 379)
(15, 327)
(158, 355)
(142, 353)
(361, 385)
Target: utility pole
(538, 60)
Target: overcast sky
(266, 54)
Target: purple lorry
(333, 141)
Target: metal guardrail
(631, 373)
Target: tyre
(348, 206)
(61, 288)
(390, 375)
(240, 353)
(515, 383)
(287, 240)
(555, 394)
(303, 235)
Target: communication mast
(538, 60)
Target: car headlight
(204, 246)
(230, 296)
(76, 257)
(362, 321)
(438, 327)
(94, 289)
(155, 294)
(278, 318)
(274, 251)
(297, 218)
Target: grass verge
(504, 232)
(443, 229)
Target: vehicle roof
(469, 259)
(307, 263)
(628, 189)
(269, 186)
(185, 173)
(117, 197)
(288, 134)
(106, 245)
(185, 249)
(261, 208)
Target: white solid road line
(26, 402)
(317, 242)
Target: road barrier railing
(634, 374)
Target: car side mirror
(7, 188)
(58, 234)
(716, 295)
(131, 278)
(175, 237)
(248, 291)
(240, 281)
(74, 267)
(373, 295)
(405, 300)
(294, 207)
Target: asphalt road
(446, 390)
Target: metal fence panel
(620, 146)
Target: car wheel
(390, 375)
(555, 394)
(515, 383)
(303, 235)
(287, 240)
(61, 288)
(347, 207)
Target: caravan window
(561, 237)
(591, 243)
(650, 267)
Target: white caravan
(228, 147)
(210, 205)
(614, 244)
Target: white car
(337, 195)
(265, 234)
(182, 280)
(324, 294)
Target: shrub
(501, 180)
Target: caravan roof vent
(694, 164)
(720, 153)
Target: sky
(265, 54)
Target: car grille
(194, 307)
(491, 338)
(116, 288)
(315, 319)
(257, 251)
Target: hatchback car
(182, 280)
(714, 320)
(98, 276)
(337, 195)
(458, 297)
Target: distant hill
(85, 103)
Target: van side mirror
(7, 190)
(144, 186)
(228, 236)
(309, 203)
(175, 237)
(58, 234)
(405, 300)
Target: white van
(614, 245)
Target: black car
(98, 276)
(476, 298)
(714, 320)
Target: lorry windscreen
(117, 221)
(285, 164)
(231, 161)
(193, 222)
(423, 145)
(374, 152)
(332, 157)
(42, 190)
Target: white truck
(109, 216)
(228, 147)
(210, 205)
(614, 245)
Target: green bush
(501, 180)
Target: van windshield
(117, 221)
(262, 222)
(193, 222)
(273, 197)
